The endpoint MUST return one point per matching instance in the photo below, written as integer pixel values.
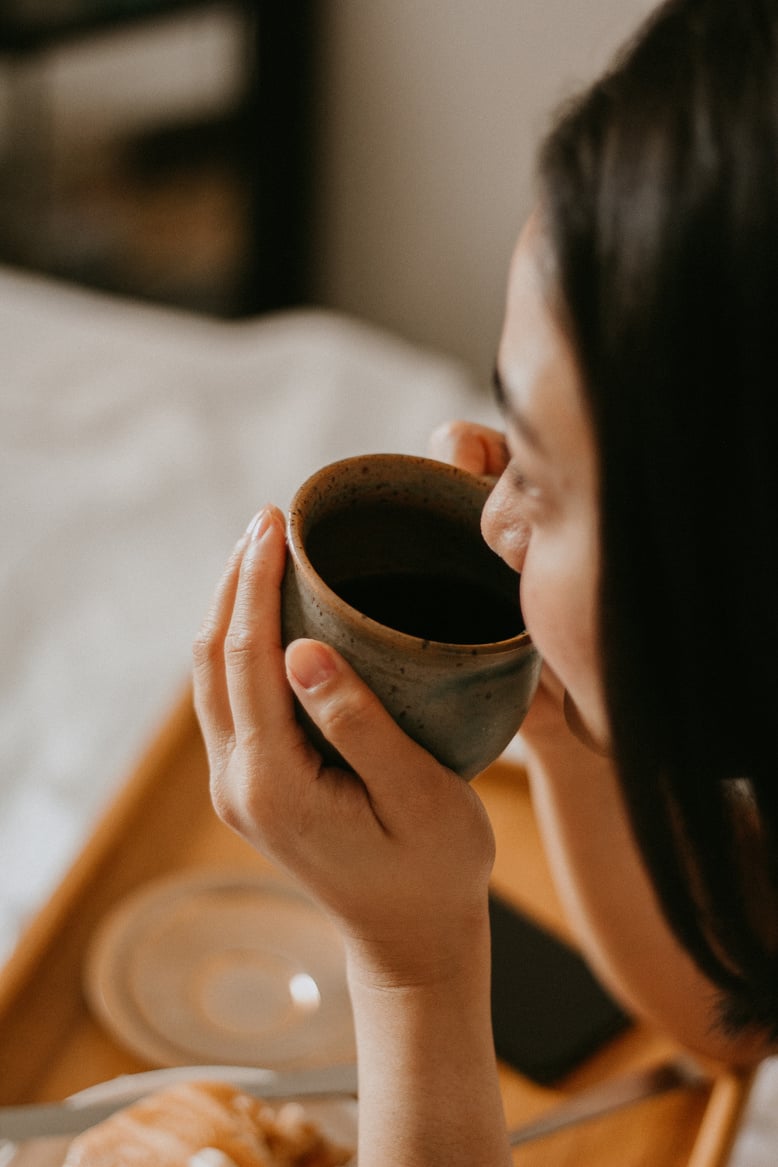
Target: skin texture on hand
(399, 853)
(402, 847)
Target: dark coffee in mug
(418, 572)
(433, 606)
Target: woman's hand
(470, 446)
(400, 851)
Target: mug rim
(352, 615)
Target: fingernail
(259, 524)
(309, 663)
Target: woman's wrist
(428, 1083)
(455, 957)
(440, 952)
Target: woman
(637, 497)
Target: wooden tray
(162, 822)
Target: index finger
(211, 698)
(259, 694)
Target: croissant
(206, 1124)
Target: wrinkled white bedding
(135, 444)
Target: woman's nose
(503, 527)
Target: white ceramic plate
(222, 967)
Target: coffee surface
(453, 610)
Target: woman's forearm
(428, 1086)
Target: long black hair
(659, 187)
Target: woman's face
(542, 516)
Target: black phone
(549, 1011)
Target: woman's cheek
(552, 613)
(558, 616)
(537, 607)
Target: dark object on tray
(549, 1011)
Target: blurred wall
(427, 115)
(427, 120)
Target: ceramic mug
(387, 565)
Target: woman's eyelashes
(522, 485)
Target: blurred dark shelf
(29, 26)
(157, 209)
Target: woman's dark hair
(659, 188)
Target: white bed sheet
(135, 444)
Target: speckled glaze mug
(387, 564)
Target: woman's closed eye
(523, 485)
